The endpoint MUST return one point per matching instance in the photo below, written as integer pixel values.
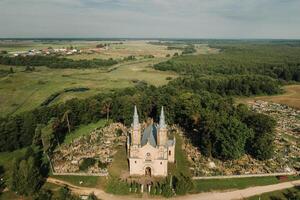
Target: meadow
(235, 183)
(286, 194)
(26, 90)
(23, 91)
(118, 50)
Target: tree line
(55, 62)
(211, 121)
(280, 62)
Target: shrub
(86, 163)
(182, 184)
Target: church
(148, 148)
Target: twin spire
(162, 123)
(135, 118)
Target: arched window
(169, 152)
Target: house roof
(149, 136)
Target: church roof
(149, 135)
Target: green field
(87, 181)
(23, 91)
(235, 183)
(277, 195)
(139, 49)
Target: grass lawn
(277, 195)
(234, 183)
(84, 130)
(88, 181)
(120, 163)
(182, 164)
(290, 97)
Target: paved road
(229, 195)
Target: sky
(229, 19)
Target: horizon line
(137, 38)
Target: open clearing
(23, 91)
(118, 50)
(290, 97)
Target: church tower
(162, 129)
(136, 129)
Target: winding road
(225, 195)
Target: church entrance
(148, 171)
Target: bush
(86, 163)
(102, 165)
(167, 191)
(44, 195)
(182, 184)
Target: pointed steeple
(135, 118)
(162, 123)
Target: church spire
(162, 123)
(135, 118)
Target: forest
(276, 61)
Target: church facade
(149, 149)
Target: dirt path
(86, 191)
(229, 195)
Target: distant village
(48, 51)
(63, 51)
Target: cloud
(150, 18)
